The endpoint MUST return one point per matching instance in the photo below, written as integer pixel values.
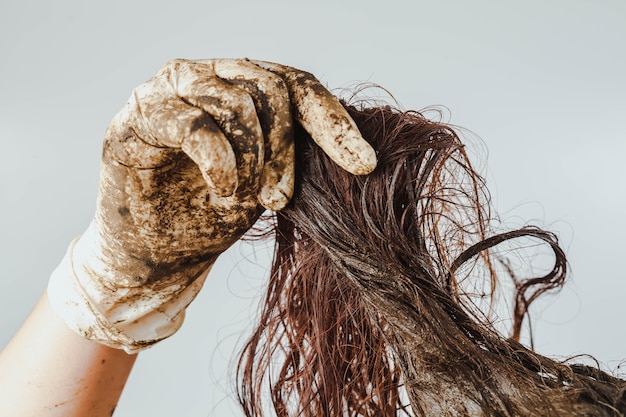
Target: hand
(188, 165)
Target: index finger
(325, 119)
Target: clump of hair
(374, 305)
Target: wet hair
(379, 301)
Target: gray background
(540, 82)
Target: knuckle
(173, 64)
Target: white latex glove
(188, 166)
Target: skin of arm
(48, 370)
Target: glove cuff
(128, 318)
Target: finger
(271, 99)
(164, 120)
(325, 119)
(234, 111)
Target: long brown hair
(375, 304)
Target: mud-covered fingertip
(364, 162)
(273, 204)
(347, 148)
(215, 159)
(275, 197)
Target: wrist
(95, 300)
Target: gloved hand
(188, 166)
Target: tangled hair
(375, 300)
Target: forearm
(47, 369)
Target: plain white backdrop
(542, 83)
